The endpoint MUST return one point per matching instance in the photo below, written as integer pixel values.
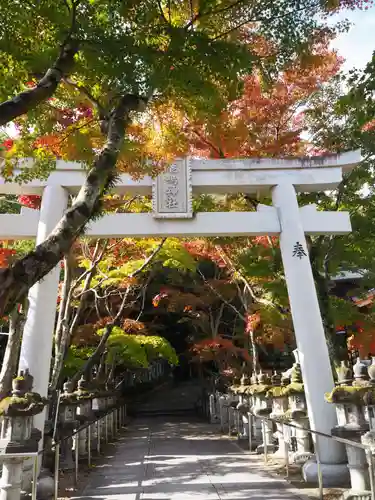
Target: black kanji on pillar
(299, 251)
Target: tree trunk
(24, 273)
(44, 89)
(96, 354)
(62, 320)
(12, 354)
(68, 323)
(336, 351)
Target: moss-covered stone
(31, 403)
(294, 388)
(69, 398)
(276, 392)
(258, 389)
(234, 388)
(84, 395)
(350, 394)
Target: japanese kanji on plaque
(299, 251)
(172, 194)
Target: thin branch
(246, 282)
(211, 13)
(109, 327)
(103, 114)
(191, 10)
(258, 20)
(208, 143)
(64, 303)
(149, 259)
(143, 295)
(96, 258)
(162, 15)
(218, 294)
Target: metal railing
(287, 442)
(118, 414)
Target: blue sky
(357, 45)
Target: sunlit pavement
(180, 460)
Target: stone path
(180, 459)
(175, 398)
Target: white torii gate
(173, 216)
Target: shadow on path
(180, 460)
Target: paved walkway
(180, 460)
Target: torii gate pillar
(309, 334)
(37, 341)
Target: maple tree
(222, 351)
(214, 300)
(111, 284)
(341, 119)
(115, 56)
(266, 120)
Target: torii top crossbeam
(214, 176)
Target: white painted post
(36, 348)
(307, 321)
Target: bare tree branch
(103, 113)
(162, 12)
(109, 327)
(211, 13)
(219, 295)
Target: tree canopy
(82, 68)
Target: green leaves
(138, 350)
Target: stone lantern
(214, 400)
(67, 423)
(262, 406)
(256, 427)
(84, 413)
(17, 434)
(279, 409)
(243, 407)
(348, 397)
(112, 397)
(233, 402)
(298, 413)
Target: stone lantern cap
(84, 391)
(261, 387)
(349, 394)
(22, 401)
(360, 391)
(243, 387)
(68, 397)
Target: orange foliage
(202, 249)
(363, 339)
(6, 255)
(252, 321)
(265, 241)
(218, 349)
(266, 121)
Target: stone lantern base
(334, 475)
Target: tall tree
(117, 55)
